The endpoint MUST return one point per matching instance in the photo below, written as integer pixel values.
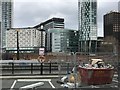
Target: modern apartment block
(62, 40)
(29, 40)
(53, 23)
(87, 20)
(6, 12)
(112, 29)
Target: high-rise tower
(87, 20)
(119, 6)
(112, 30)
(6, 10)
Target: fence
(36, 68)
(57, 64)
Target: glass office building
(87, 19)
(62, 40)
(53, 23)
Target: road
(36, 82)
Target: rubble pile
(71, 80)
(96, 64)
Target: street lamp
(75, 68)
(17, 44)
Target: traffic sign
(41, 51)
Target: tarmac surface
(19, 83)
(45, 81)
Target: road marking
(115, 75)
(13, 84)
(115, 81)
(31, 80)
(114, 86)
(36, 84)
(93, 86)
(51, 84)
(33, 85)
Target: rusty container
(96, 76)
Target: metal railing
(36, 68)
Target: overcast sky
(28, 13)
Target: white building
(29, 39)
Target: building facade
(30, 40)
(0, 43)
(87, 20)
(62, 40)
(119, 6)
(112, 30)
(6, 14)
(53, 23)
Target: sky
(28, 13)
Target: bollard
(50, 68)
(41, 69)
(68, 68)
(119, 74)
(12, 68)
(31, 68)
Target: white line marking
(13, 84)
(115, 75)
(31, 80)
(33, 85)
(51, 84)
(114, 86)
(115, 80)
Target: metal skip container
(96, 76)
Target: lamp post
(17, 44)
(75, 68)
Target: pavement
(31, 76)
